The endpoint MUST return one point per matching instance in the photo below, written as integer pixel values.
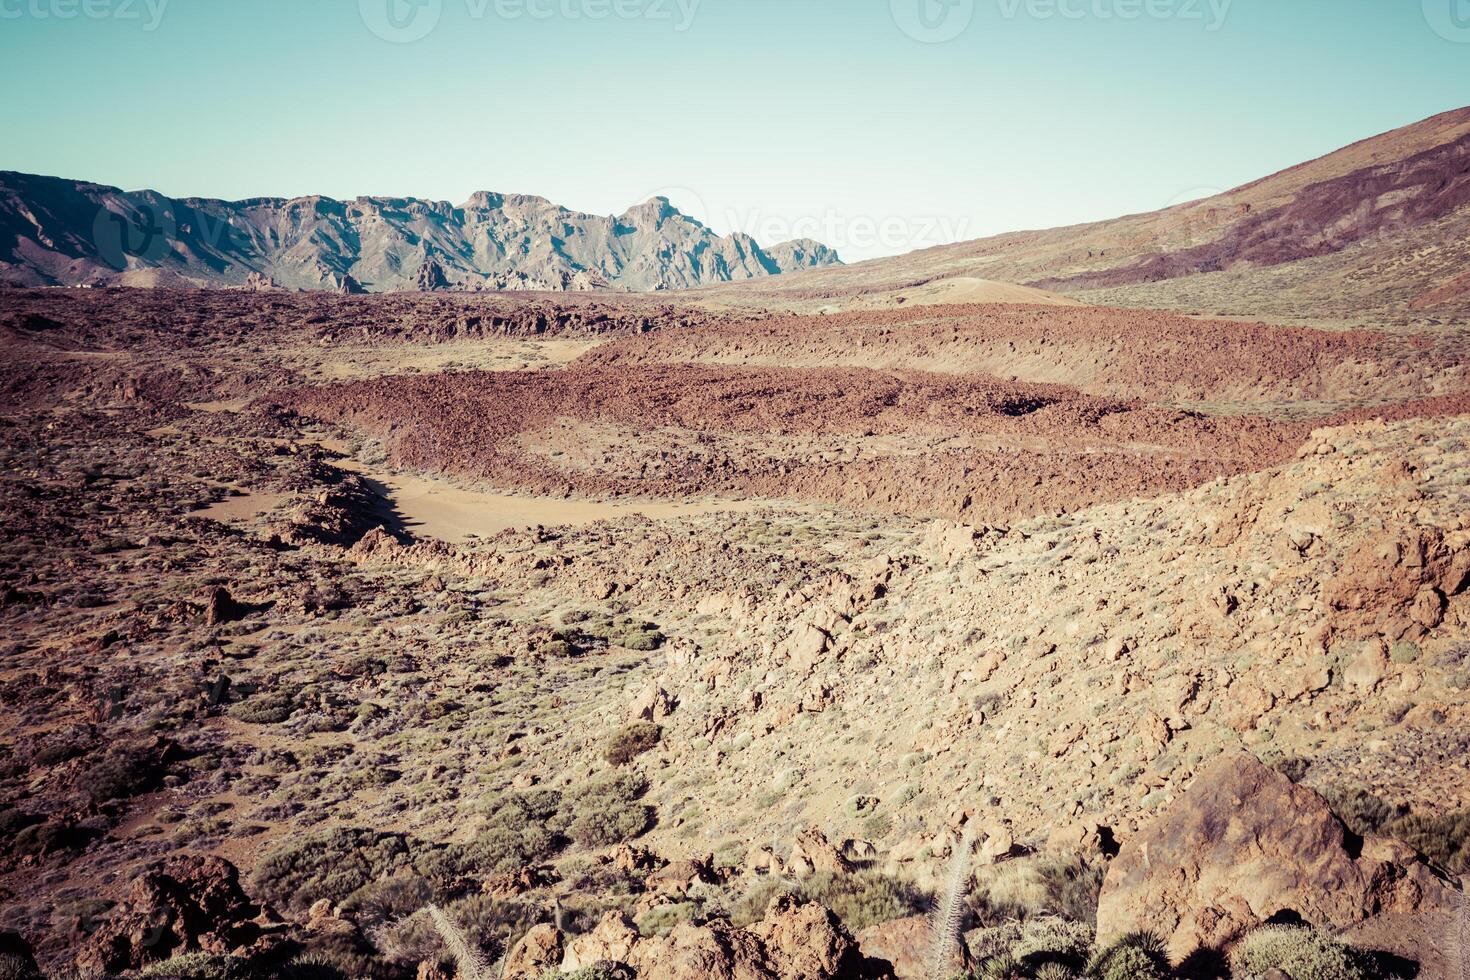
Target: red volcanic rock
(1395, 584)
(1245, 845)
(183, 904)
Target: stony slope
(55, 231)
(1377, 227)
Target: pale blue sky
(822, 117)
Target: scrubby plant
(1137, 956)
(16, 967)
(201, 966)
(1001, 968)
(862, 899)
(468, 961)
(332, 864)
(1050, 940)
(660, 921)
(266, 709)
(1072, 888)
(1444, 839)
(607, 811)
(1301, 953)
(1361, 811)
(631, 741)
(1054, 971)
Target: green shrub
(1361, 811)
(1138, 956)
(631, 742)
(330, 864)
(14, 966)
(661, 920)
(860, 900)
(1300, 953)
(1052, 940)
(489, 924)
(632, 634)
(1072, 888)
(1054, 971)
(606, 811)
(265, 709)
(1444, 839)
(201, 966)
(1002, 968)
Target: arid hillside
(1376, 229)
(379, 636)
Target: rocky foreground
(1211, 716)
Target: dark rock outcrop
(1245, 846)
(185, 903)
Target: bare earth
(543, 612)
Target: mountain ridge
(59, 231)
(1328, 238)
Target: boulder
(1395, 584)
(793, 942)
(1243, 846)
(812, 852)
(907, 945)
(807, 942)
(612, 941)
(539, 951)
(220, 607)
(677, 877)
(184, 903)
(716, 950)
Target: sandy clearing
(965, 289)
(244, 508)
(437, 509)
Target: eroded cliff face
(65, 232)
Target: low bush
(201, 966)
(265, 709)
(1301, 954)
(607, 811)
(1361, 811)
(1138, 956)
(1444, 839)
(660, 921)
(632, 741)
(860, 900)
(331, 864)
(1052, 940)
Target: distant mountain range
(66, 232)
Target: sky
(878, 126)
